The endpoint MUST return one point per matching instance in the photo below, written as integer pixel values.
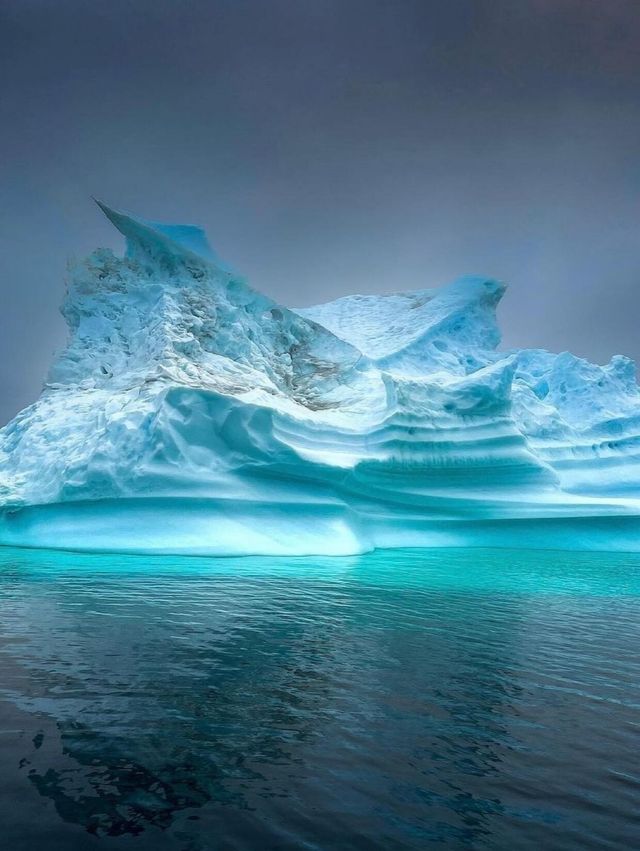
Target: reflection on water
(408, 699)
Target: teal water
(400, 700)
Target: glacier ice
(190, 414)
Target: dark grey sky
(330, 147)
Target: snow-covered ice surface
(190, 414)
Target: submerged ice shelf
(190, 414)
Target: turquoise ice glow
(190, 414)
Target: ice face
(189, 413)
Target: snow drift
(190, 414)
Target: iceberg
(190, 414)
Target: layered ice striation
(190, 414)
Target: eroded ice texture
(189, 413)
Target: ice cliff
(190, 414)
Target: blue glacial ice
(190, 414)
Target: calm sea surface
(400, 700)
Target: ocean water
(400, 700)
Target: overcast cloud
(329, 147)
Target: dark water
(451, 699)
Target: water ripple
(409, 699)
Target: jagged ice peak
(188, 413)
